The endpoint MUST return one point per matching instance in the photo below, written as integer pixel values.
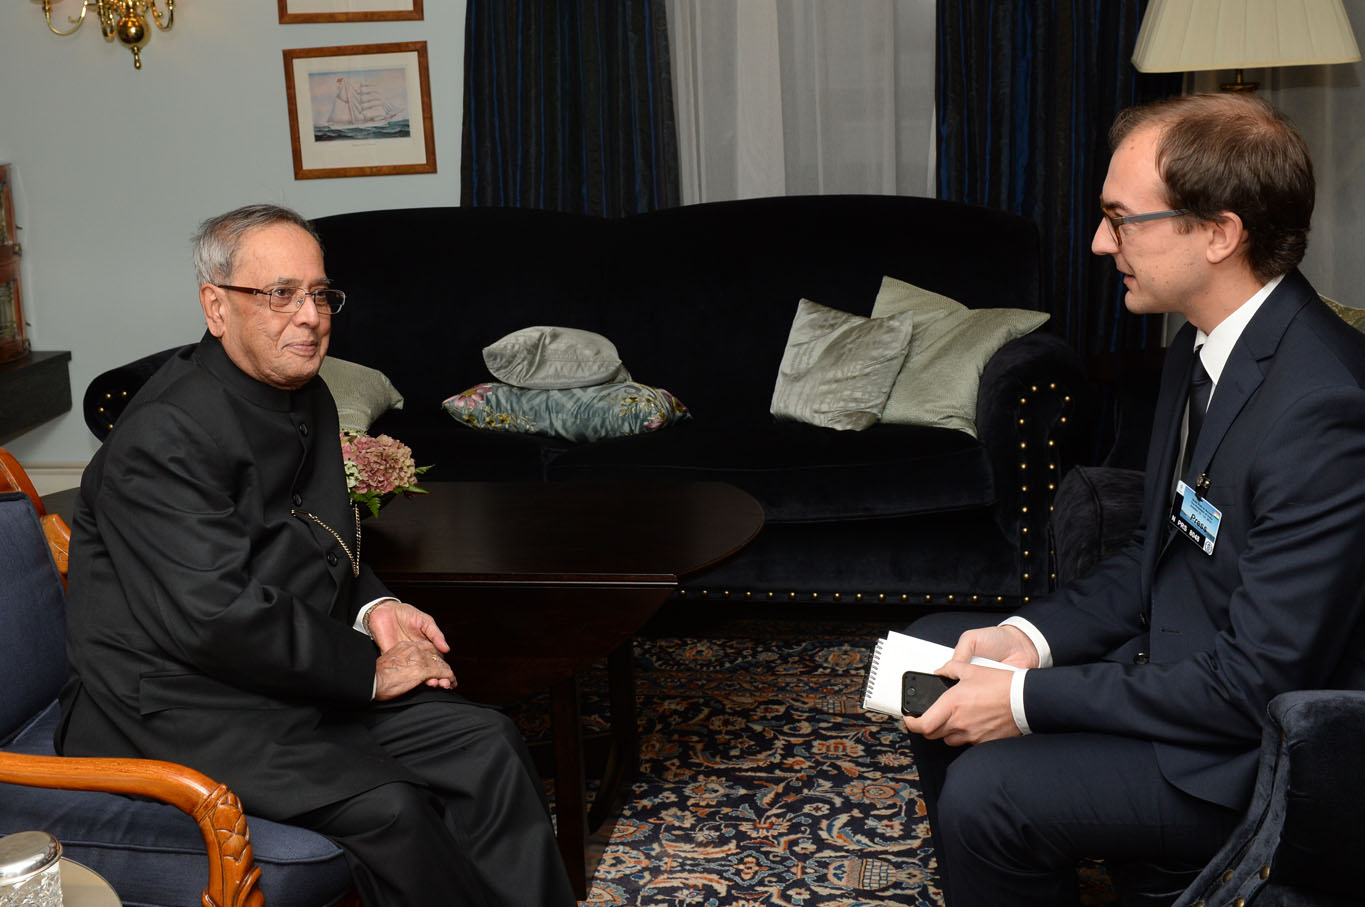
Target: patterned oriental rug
(763, 782)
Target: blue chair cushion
(152, 853)
(33, 614)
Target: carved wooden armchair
(142, 846)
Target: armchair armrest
(55, 530)
(1023, 404)
(233, 875)
(1303, 831)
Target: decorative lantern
(13, 343)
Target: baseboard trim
(51, 477)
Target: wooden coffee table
(532, 583)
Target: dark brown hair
(1233, 152)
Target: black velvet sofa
(699, 300)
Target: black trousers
(1011, 819)
(477, 833)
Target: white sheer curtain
(803, 97)
(1327, 103)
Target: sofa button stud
(1265, 873)
(1140, 658)
(1227, 877)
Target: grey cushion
(838, 368)
(546, 357)
(938, 383)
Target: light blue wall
(114, 168)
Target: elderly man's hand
(407, 664)
(391, 622)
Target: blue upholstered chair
(145, 826)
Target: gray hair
(217, 240)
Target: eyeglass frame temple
(298, 296)
(1116, 221)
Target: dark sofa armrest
(1303, 831)
(1023, 407)
(110, 393)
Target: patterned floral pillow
(574, 414)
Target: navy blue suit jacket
(1167, 643)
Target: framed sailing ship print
(360, 110)
(348, 10)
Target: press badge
(1195, 517)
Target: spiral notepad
(895, 655)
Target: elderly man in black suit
(1134, 734)
(219, 614)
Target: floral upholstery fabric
(575, 414)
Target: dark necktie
(1201, 387)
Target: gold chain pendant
(355, 515)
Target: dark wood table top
(532, 582)
(465, 534)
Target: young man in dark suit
(219, 615)
(1134, 734)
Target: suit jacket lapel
(1244, 370)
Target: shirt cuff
(1017, 702)
(1035, 637)
(359, 625)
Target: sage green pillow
(838, 368)
(362, 394)
(938, 383)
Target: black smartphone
(919, 691)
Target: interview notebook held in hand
(895, 655)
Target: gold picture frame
(295, 11)
(360, 110)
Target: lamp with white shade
(1186, 35)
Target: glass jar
(30, 870)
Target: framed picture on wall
(292, 11)
(360, 110)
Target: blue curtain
(1026, 91)
(568, 106)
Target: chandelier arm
(170, 15)
(108, 14)
(75, 23)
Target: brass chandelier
(125, 20)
